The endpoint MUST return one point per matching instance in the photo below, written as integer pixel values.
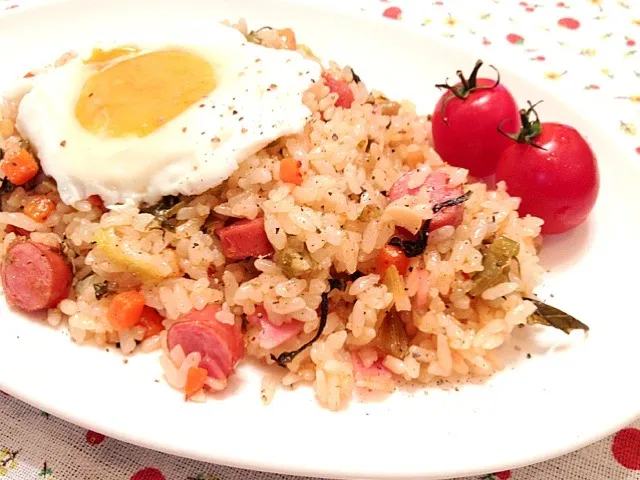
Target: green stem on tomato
(531, 126)
(467, 85)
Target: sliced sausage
(345, 95)
(439, 191)
(35, 276)
(17, 230)
(271, 335)
(244, 238)
(221, 345)
(376, 370)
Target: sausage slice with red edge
(221, 345)
(244, 238)
(439, 191)
(35, 276)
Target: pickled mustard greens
(553, 317)
(495, 263)
(413, 248)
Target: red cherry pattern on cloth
(569, 23)
(148, 474)
(626, 448)
(394, 13)
(504, 475)
(515, 39)
(94, 438)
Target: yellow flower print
(628, 128)
(632, 98)
(7, 460)
(588, 52)
(426, 21)
(485, 16)
(597, 3)
(605, 71)
(623, 5)
(450, 21)
(636, 21)
(554, 75)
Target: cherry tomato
(554, 172)
(465, 123)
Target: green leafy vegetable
(393, 336)
(101, 289)
(293, 263)
(356, 78)
(370, 213)
(554, 317)
(253, 36)
(337, 284)
(413, 248)
(495, 263)
(164, 210)
(6, 186)
(453, 202)
(286, 357)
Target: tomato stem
(531, 126)
(467, 86)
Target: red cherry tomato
(466, 119)
(554, 172)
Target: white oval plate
(572, 392)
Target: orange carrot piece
(196, 377)
(392, 255)
(288, 38)
(39, 208)
(125, 310)
(290, 171)
(151, 321)
(19, 166)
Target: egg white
(257, 99)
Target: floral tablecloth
(586, 45)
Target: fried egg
(132, 122)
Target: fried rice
(331, 226)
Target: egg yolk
(137, 95)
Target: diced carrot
(290, 171)
(414, 158)
(196, 377)
(19, 166)
(151, 321)
(125, 310)
(288, 38)
(39, 208)
(97, 202)
(392, 255)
